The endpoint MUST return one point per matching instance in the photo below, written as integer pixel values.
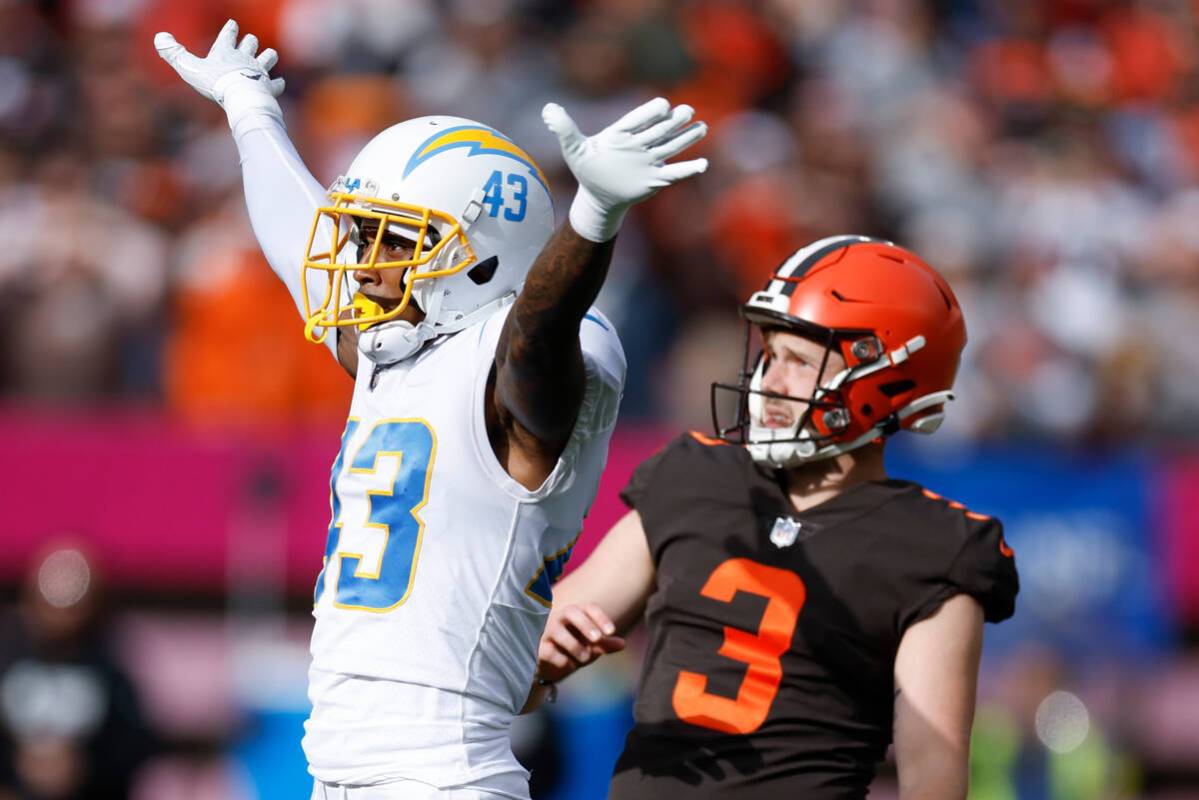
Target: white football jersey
(437, 572)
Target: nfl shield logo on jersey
(784, 532)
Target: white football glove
(230, 74)
(624, 163)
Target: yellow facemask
(347, 214)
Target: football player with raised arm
(804, 610)
(486, 389)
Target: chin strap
(394, 341)
(791, 453)
(389, 342)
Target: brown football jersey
(773, 633)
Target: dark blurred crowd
(1044, 154)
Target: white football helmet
(476, 206)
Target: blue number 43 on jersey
(407, 446)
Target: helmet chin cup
(782, 455)
(392, 342)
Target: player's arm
(595, 605)
(936, 673)
(281, 194)
(539, 371)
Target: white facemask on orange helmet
(891, 317)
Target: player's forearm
(618, 576)
(282, 197)
(561, 286)
(604, 584)
(538, 693)
(943, 774)
(281, 194)
(541, 377)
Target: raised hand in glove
(231, 73)
(624, 163)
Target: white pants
(416, 790)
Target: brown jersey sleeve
(985, 568)
(634, 492)
(979, 564)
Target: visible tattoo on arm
(540, 376)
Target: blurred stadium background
(167, 432)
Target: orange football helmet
(893, 319)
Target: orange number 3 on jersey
(761, 651)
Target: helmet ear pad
(484, 271)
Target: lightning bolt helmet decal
(481, 140)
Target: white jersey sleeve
(282, 197)
(605, 365)
(604, 359)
